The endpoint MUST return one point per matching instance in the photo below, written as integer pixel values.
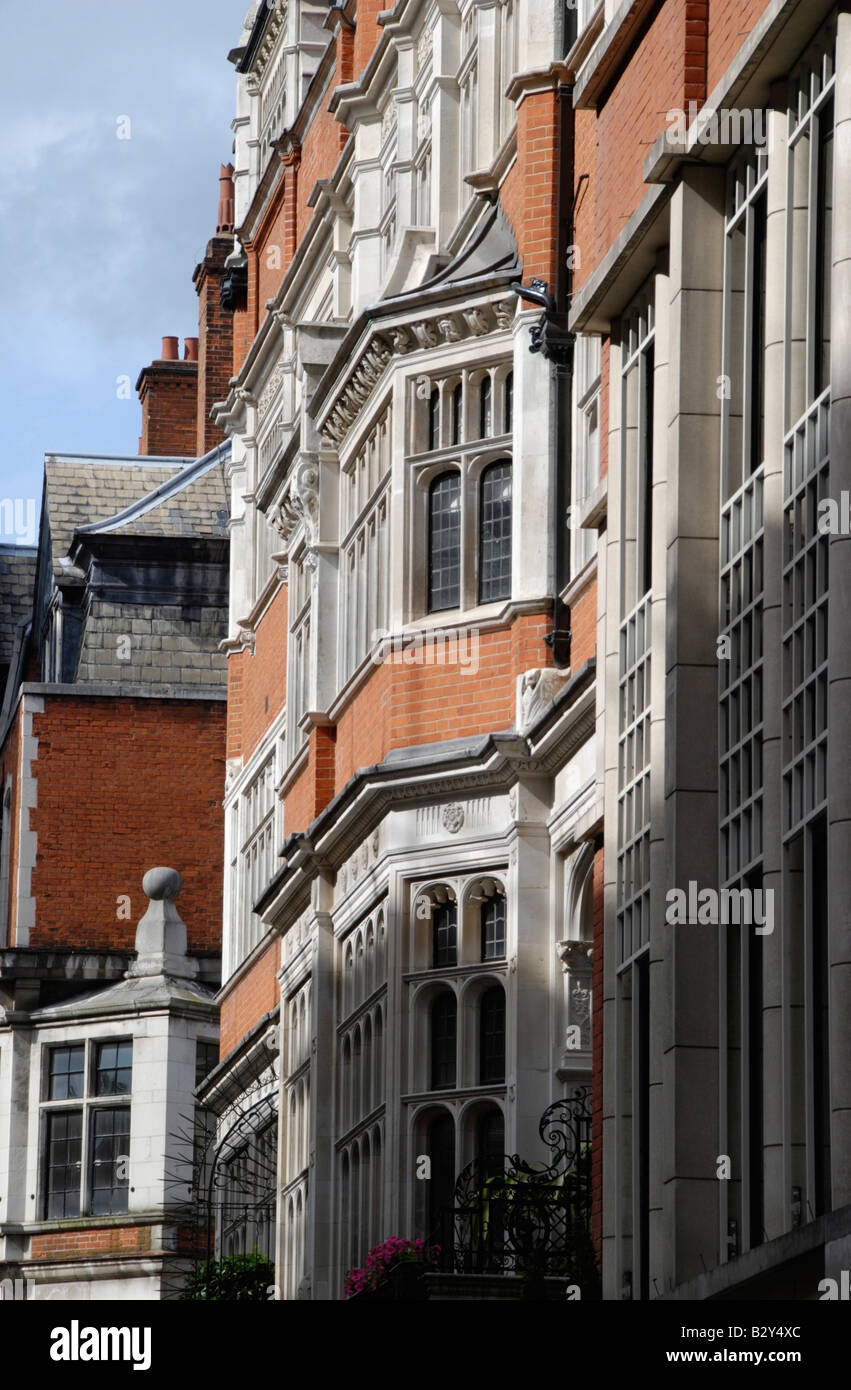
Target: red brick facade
(123, 784)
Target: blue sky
(100, 235)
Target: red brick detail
(169, 395)
(215, 342)
(527, 192)
(257, 685)
(401, 706)
(583, 626)
(124, 785)
(113, 1240)
(10, 755)
(253, 995)
(730, 22)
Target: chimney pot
(190, 353)
(170, 350)
(226, 213)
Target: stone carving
(284, 518)
(233, 767)
(453, 817)
(375, 841)
(356, 391)
(425, 47)
(305, 499)
(536, 690)
(504, 312)
(423, 388)
(246, 639)
(270, 389)
(427, 333)
(449, 328)
(478, 321)
(512, 803)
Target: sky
(100, 234)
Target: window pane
(110, 1143)
(114, 1069)
(485, 408)
(441, 1188)
(493, 929)
(444, 1013)
(509, 402)
(490, 1144)
(64, 1155)
(492, 1037)
(444, 570)
(495, 540)
(434, 419)
(824, 253)
(457, 400)
(66, 1073)
(445, 933)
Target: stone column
(839, 641)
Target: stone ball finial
(162, 884)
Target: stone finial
(161, 933)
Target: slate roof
(17, 577)
(80, 490)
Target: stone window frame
(86, 1106)
(587, 402)
(470, 458)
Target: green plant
(236, 1278)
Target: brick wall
(257, 685)
(124, 785)
(169, 395)
(111, 1240)
(730, 22)
(10, 767)
(527, 191)
(215, 343)
(246, 1001)
(402, 706)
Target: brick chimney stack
(215, 324)
(168, 390)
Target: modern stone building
(713, 195)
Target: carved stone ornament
(453, 817)
(449, 328)
(305, 499)
(423, 388)
(246, 639)
(427, 333)
(478, 321)
(512, 803)
(284, 519)
(504, 312)
(233, 768)
(536, 691)
(270, 389)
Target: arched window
(434, 419)
(495, 533)
(441, 1187)
(490, 1143)
(509, 403)
(485, 408)
(444, 542)
(444, 1021)
(444, 927)
(493, 928)
(357, 1092)
(492, 1037)
(457, 408)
